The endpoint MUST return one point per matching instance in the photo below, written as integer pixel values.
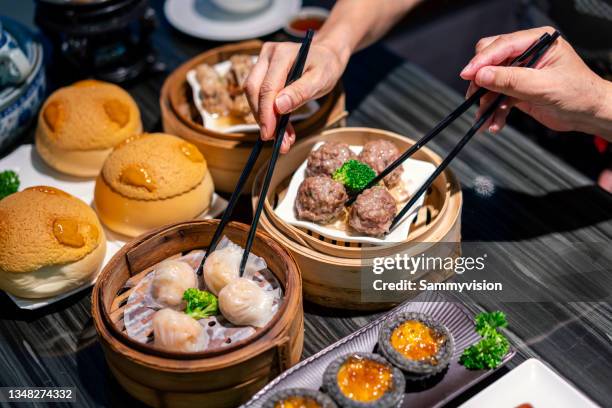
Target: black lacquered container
(105, 39)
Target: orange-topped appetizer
(299, 398)
(364, 380)
(417, 344)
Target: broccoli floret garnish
(9, 183)
(355, 175)
(200, 303)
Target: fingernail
(283, 103)
(466, 69)
(493, 129)
(486, 76)
(264, 132)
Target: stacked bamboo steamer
(227, 153)
(332, 270)
(216, 378)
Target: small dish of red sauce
(306, 19)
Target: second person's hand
(265, 85)
(560, 92)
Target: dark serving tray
(309, 372)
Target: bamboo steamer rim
(240, 351)
(177, 80)
(447, 178)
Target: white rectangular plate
(533, 383)
(415, 173)
(208, 120)
(33, 171)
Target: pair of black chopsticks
(536, 51)
(281, 126)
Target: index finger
(504, 47)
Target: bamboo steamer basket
(331, 270)
(227, 153)
(214, 378)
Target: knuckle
(267, 87)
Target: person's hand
(265, 85)
(560, 92)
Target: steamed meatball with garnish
(320, 199)
(379, 154)
(373, 212)
(329, 157)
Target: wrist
(602, 120)
(337, 39)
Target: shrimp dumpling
(244, 303)
(172, 278)
(176, 331)
(221, 267)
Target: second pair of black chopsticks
(535, 52)
(283, 121)
(460, 110)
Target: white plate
(202, 19)
(534, 383)
(209, 121)
(33, 171)
(414, 175)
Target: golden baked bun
(79, 125)
(50, 242)
(150, 181)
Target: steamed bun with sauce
(50, 243)
(79, 125)
(176, 331)
(150, 181)
(244, 303)
(171, 280)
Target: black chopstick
(296, 72)
(538, 51)
(232, 202)
(460, 110)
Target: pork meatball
(320, 199)
(373, 212)
(379, 154)
(329, 157)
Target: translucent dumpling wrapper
(223, 265)
(244, 303)
(171, 279)
(176, 331)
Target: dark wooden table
(538, 200)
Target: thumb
(518, 82)
(295, 95)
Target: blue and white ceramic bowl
(19, 105)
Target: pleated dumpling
(171, 280)
(244, 303)
(176, 331)
(223, 265)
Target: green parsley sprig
(200, 303)
(491, 349)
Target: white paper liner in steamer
(414, 175)
(208, 119)
(218, 331)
